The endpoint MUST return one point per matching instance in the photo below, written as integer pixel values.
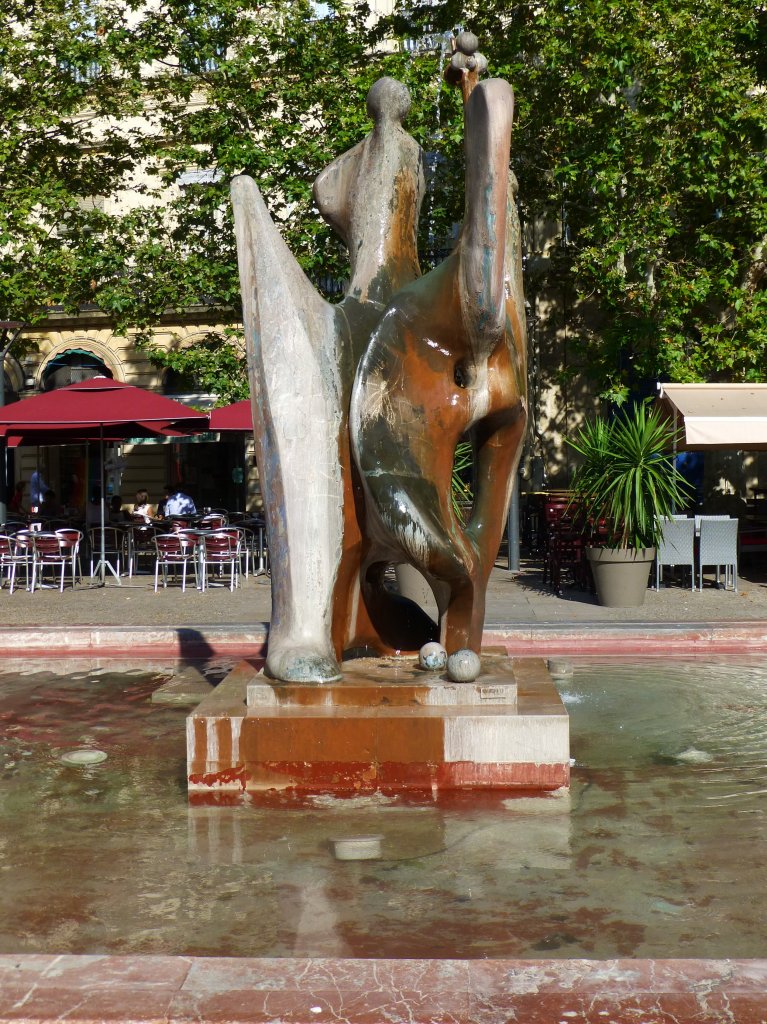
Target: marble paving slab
(180, 990)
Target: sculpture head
(388, 100)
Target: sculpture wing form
(292, 338)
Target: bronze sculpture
(358, 407)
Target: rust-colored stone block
(346, 739)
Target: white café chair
(677, 547)
(718, 546)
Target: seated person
(116, 514)
(177, 503)
(93, 509)
(142, 510)
(49, 507)
(16, 503)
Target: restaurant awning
(717, 416)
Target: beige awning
(718, 415)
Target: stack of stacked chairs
(553, 510)
(564, 547)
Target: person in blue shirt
(38, 488)
(177, 503)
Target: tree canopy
(640, 129)
(68, 85)
(645, 125)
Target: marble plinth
(387, 726)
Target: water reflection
(654, 852)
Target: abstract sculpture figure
(358, 407)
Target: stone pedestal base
(387, 726)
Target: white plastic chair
(718, 546)
(677, 547)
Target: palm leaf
(627, 476)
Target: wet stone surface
(654, 853)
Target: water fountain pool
(657, 851)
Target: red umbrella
(99, 409)
(95, 408)
(236, 418)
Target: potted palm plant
(626, 484)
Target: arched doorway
(70, 469)
(71, 367)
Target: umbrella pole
(103, 564)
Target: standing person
(38, 488)
(177, 503)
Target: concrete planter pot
(621, 575)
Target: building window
(202, 48)
(72, 367)
(200, 176)
(83, 64)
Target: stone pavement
(522, 613)
(513, 599)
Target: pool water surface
(658, 850)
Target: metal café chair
(259, 547)
(718, 546)
(248, 548)
(25, 547)
(213, 521)
(194, 536)
(221, 550)
(240, 535)
(12, 557)
(13, 524)
(174, 551)
(676, 547)
(177, 523)
(73, 537)
(566, 555)
(139, 540)
(49, 551)
(114, 546)
(554, 512)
